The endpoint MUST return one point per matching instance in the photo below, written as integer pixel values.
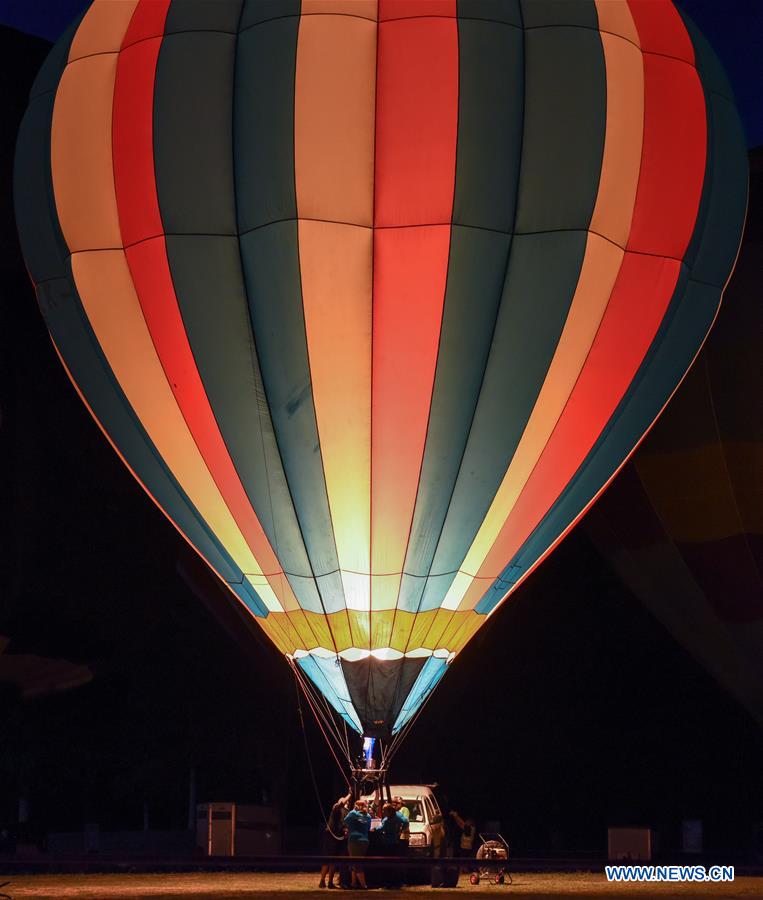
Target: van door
(436, 826)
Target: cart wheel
(474, 878)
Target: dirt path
(230, 886)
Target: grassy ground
(227, 886)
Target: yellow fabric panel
(367, 9)
(601, 264)
(468, 629)
(381, 628)
(461, 619)
(615, 17)
(80, 142)
(621, 163)
(418, 629)
(336, 267)
(307, 637)
(274, 630)
(339, 623)
(401, 628)
(334, 113)
(321, 629)
(360, 628)
(121, 330)
(433, 638)
(103, 28)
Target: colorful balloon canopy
(375, 298)
(683, 523)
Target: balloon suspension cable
(316, 789)
(326, 723)
(324, 713)
(398, 738)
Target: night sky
(733, 27)
(572, 710)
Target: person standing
(404, 815)
(389, 833)
(468, 830)
(334, 839)
(358, 824)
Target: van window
(416, 810)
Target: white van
(427, 826)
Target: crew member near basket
(334, 839)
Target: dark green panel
(272, 278)
(378, 689)
(256, 11)
(39, 230)
(476, 275)
(565, 112)
(712, 73)
(36, 219)
(689, 317)
(507, 11)
(540, 284)
(541, 13)
(715, 241)
(490, 104)
(79, 348)
(47, 258)
(264, 123)
(193, 148)
(714, 245)
(203, 15)
(206, 272)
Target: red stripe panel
(407, 9)
(661, 29)
(138, 209)
(667, 199)
(132, 142)
(147, 21)
(416, 120)
(673, 158)
(641, 294)
(133, 124)
(410, 268)
(415, 164)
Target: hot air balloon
(375, 298)
(691, 544)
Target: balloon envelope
(683, 523)
(374, 299)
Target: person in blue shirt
(389, 832)
(391, 825)
(358, 824)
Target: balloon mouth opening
(383, 654)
